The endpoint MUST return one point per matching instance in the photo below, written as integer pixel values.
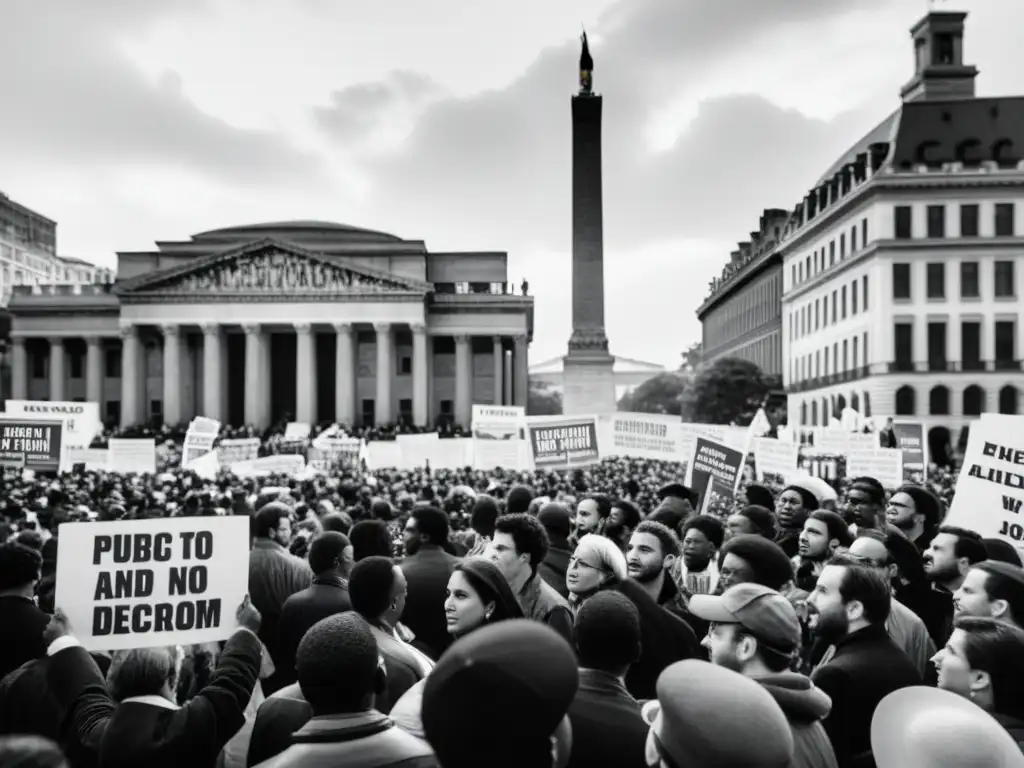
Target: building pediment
(270, 269)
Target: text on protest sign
(642, 436)
(714, 470)
(562, 444)
(141, 583)
(31, 444)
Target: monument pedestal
(588, 384)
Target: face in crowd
(502, 552)
(954, 671)
(697, 550)
(411, 536)
(283, 533)
(901, 511)
(827, 615)
(588, 520)
(815, 544)
(463, 608)
(790, 509)
(941, 564)
(738, 525)
(586, 572)
(645, 559)
(860, 510)
(972, 598)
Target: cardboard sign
(143, 583)
(34, 444)
(81, 420)
(714, 471)
(564, 443)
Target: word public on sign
(142, 583)
(32, 444)
(989, 496)
(564, 443)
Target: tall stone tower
(588, 378)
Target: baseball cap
(763, 612)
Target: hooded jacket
(805, 705)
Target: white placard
(883, 464)
(775, 457)
(641, 436)
(143, 583)
(499, 437)
(81, 420)
(131, 455)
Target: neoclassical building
(310, 320)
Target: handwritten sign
(143, 583)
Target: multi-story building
(902, 265)
(742, 315)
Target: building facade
(902, 266)
(303, 320)
(742, 315)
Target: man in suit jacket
(137, 722)
(607, 728)
(427, 568)
(330, 557)
(849, 607)
(23, 623)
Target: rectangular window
(832, 253)
(901, 281)
(39, 366)
(936, 280)
(936, 346)
(863, 232)
(903, 219)
(1006, 345)
(405, 410)
(801, 267)
(867, 359)
(970, 346)
(864, 292)
(936, 221)
(808, 268)
(826, 361)
(824, 311)
(843, 295)
(113, 367)
(853, 358)
(853, 239)
(969, 220)
(75, 359)
(404, 365)
(817, 315)
(970, 284)
(842, 246)
(835, 306)
(903, 346)
(1004, 220)
(853, 298)
(846, 359)
(1004, 287)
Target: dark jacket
(1014, 727)
(277, 719)
(542, 603)
(327, 596)
(363, 740)
(867, 667)
(152, 732)
(427, 573)
(22, 637)
(804, 706)
(672, 601)
(607, 728)
(275, 575)
(403, 671)
(553, 569)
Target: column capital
(170, 329)
(129, 331)
(382, 327)
(55, 340)
(93, 340)
(418, 328)
(210, 329)
(498, 340)
(461, 338)
(303, 328)
(18, 341)
(342, 327)
(252, 329)
(521, 338)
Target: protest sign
(238, 449)
(144, 583)
(131, 455)
(990, 487)
(883, 464)
(498, 437)
(714, 471)
(910, 440)
(334, 454)
(775, 458)
(199, 439)
(31, 443)
(641, 436)
(81, 420)
(559, 442)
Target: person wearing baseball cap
(755, 632)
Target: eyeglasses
(574, 561)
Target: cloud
(71, 97)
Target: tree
(692, 357)
(659, 394)
(542, 400)
(727, 391)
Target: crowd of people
(584, 618)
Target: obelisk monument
(588, 379)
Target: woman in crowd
(597, 564)
(984, 661)
(477, 596)
(792, 508)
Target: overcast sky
(448, 121)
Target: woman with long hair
(478, 596)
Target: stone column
(265, 410)
(130, 375)
(521, 371)
(19, 369)
(172, 374)
(213, 383)
(305, 374)
(94, 373)
(507, 368)
(463, 380)
(253, 371)
(344, 374)
(420, 380)
(499, 370)
(57, 374)
(382, 404)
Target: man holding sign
(133, 718)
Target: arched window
(1008, 399)
(840, 405)
(814, 413)
(967, 152)
(906, 401)
(924, 149)
(974, 400)
(938, 401)
(855, 402)
(803, 414)
(1002, 152)
(867, 405)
